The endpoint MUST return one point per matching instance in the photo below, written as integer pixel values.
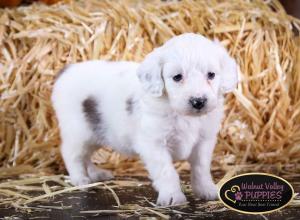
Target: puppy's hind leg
(79, 131)
(75, 135)
(77, 147)
(79, 165)
(76, 155)
(98, 174)
(93, 116)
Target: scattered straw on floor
(35, 193)
(37, 188)
(32, 193)
(262, 121)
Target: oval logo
(256, 193)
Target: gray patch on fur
(91, 112)
(130, 105)
(62, 71)
(148, 77)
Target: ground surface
(136, 204)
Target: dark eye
(177, 77)
(211, 75)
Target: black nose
(198, 103)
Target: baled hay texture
(262, 121)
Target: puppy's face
(191, 71)
(191, 89)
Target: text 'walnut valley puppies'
(169, 107)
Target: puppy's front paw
(174, 198)
(207, 191)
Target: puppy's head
(191, 71)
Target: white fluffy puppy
(169, 107)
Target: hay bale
(262, 121)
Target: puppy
(169, 107)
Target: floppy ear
(150, 73)
(229, 75)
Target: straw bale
(262, 121)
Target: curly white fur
(138, 108)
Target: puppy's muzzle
(198, 103)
